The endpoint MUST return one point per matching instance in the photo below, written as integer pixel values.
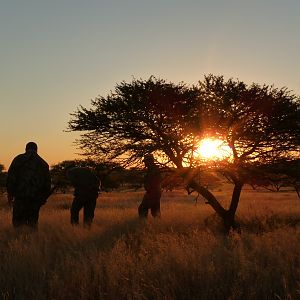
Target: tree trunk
(211, 199)
(228, 216)
(229, 220)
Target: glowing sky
(58, 54)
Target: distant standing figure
(28, 186)
(152, 185)
(86, 189)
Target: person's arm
(10, 199)
(47, 191)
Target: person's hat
(148, 157)
(69, 165)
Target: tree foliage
(259, 123)
(140, 117)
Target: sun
(212, 149)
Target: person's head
(148, 160)
(69, 166)
(31, 147)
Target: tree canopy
(259, 123)
(140, 117)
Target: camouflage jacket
(83, 180)
(152, 180)
(28, 177)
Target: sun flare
(212, 149)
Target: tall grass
(180, 256)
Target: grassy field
(183, 255)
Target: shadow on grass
(108, 237)
(269, 222)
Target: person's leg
(33, 216)
(19, 215)
(144, 206)
(155, 205)
(75, 208)
(88, 211)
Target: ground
(183, 255)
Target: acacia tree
(259, 124)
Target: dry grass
(180, 256)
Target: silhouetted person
(28, 186)
(86, 189)
(152, 185)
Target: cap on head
(148, 158)
(69, 166)
(31, 146)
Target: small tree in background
(258, 124)
(282, 174)
(2, 179)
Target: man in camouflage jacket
(28, 186)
